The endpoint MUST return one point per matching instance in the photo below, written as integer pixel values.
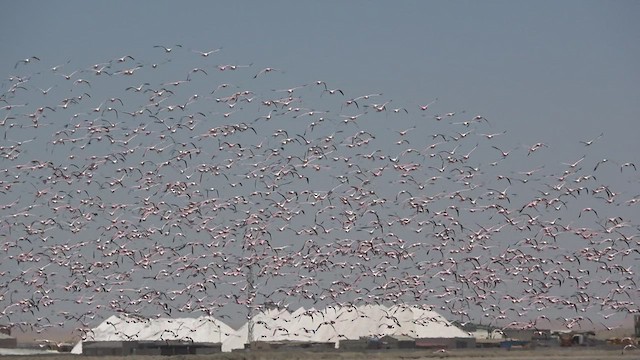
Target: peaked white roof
(331, 324)
(339, 323)
(126, 328)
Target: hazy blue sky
(546, 68)
(551, 72)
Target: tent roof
(331, 324)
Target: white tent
(128, 328)
(331, 324)
(339, 323)
(273, 325)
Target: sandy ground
(541, 354)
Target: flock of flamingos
(183, 185)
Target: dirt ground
(541, 354)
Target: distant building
(291, 345)
(528, 338)
(7, 341)
(486, 334)
(387, 342)
(576, 338)
(353, 328)
(363, 343)
(397, 342)
(125, 334)
(519, 334)
(277, 328)
(125, 348)
(481, 332)
(446, 343)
